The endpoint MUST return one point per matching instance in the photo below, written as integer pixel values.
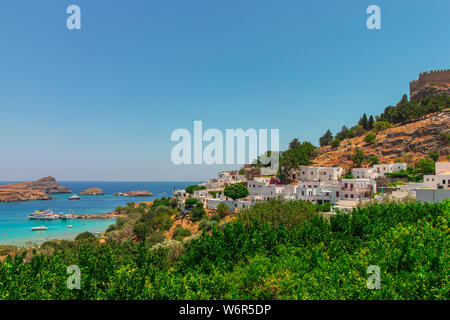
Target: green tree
(343, 134)
(358, 158)
(370, 138)
(335, 143)
(295, 143)
(236, 191)
(222, 209)
(85, 236)
(356, 131)
(190, 189)
(197, 213)
(371, 122)
(374, 160)
(364, 122)
(434, 154)
(189, 203)
(424, 167)
(179, 233)
(381, 126)
(326, 138)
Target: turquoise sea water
(15, 227)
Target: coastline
(93, 210)
(39, 237)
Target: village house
(357, 189)
(326, 174)
(317, 192)
(378, 170)
(381, 169)
(435, 188)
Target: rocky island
(92, 192)
(35, 190)
(140, 193)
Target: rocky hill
(35, 190)
(406, 142)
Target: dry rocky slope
(408, 142)
(36, 190)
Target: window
(337, 193)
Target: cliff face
(36, 190)
(410, 142)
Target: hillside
(410, 142)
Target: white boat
(41, 228)
(74, 197)
(69, 226)
(44, 215)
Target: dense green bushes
(274, 250)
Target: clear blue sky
(100, 103)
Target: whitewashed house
(357, 189)
(317, 192)
(381, 169)
(325, 174)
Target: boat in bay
(74, 197)
(41, 228)
(44, 214)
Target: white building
(389, 168)
(317, 192)
(325, 174)
(357, 189)
(365, 173)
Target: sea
(15, 227)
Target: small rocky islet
(92, 192)
(139, 193)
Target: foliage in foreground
(274, 250)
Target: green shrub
(335, 143)
(370, 138)
(179, 233)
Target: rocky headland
(35, 190)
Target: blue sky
(100, 103)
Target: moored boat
(41, 228)
(44, 215)
(74, 197)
